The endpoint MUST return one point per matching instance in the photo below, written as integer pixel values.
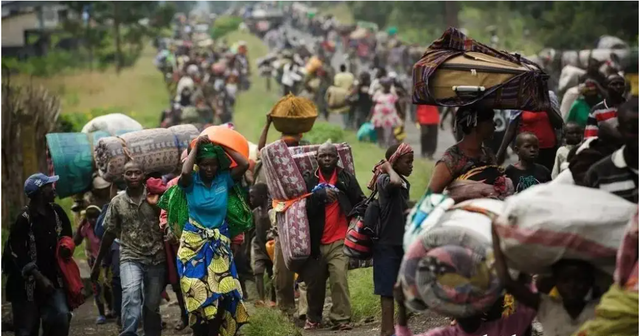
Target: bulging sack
(448, 268)
(547, 223)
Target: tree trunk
(451, 9)
(116, 28)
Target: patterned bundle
(286, 183)
(158, 150)
(448, 268)
(305, 157)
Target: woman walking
(385, 116)
(208, 275)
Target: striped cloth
(527, 91)
(599, 114)
(612, 174)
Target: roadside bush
(224, 25)
(73, 122)
(323, 131)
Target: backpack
(363, 229)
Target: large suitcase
(457, 71)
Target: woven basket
(289, 125)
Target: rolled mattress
(158, 150)
(448, 268)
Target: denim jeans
(54, 313)
(142, 286)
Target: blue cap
(37, 181)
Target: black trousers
(428, 139)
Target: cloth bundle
(113, 124)
(547, 223)
(305, 157)
(70, 274)
(285, 182)
(448, 268)
(158, 150)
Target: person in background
(618, 172)
(384, 116)
(132, 219)
(334, 192)
(581, 108)
(429, 118)
(389, 181)
(364, 102)
(574, 279)
(477, 126)
(171, 245)
(259, 201)
(573, 136)
(345, 80)
(608, 108)
(526, 172)
(101, 291)
(542, 124)
(34, 283)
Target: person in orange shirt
(428, 117)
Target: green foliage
(225, 25)
(272, 322)
(377, 12)
(73, 122)
(363, 303)
(323, 131)
(45, 66)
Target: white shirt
(557, 322)
(185, 82)
(290, 75)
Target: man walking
(34, 283)
(334, 193)
(132, 219)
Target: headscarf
(403, 149)
(211, 151)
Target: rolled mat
(448, 268)
(305, 157)
(286, 183)
(158, 150)
(70, 156)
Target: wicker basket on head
(294, 115)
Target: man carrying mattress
(334, 192)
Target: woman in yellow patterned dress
(208, 275)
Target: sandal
(180, 326)
(342, 326)
(311, 325)
(260, 303)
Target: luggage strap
(125, 149)
(475, 209)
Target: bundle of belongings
(284, 168)
(457, 71)
(448, 262)
(157, 149)
(546, 223)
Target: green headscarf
(211, 151)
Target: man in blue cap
(34, 283)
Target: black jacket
(350, 194)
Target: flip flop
(311, 325)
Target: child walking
(101, 292)
(259, 200)
(526, 172)
(390, 182)
(573, 135)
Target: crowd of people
(182, 229)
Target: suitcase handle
(468, 92)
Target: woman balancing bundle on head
(208, 275)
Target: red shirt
(335, 223)
(538, 123)
(428, 115)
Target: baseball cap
(37, 181)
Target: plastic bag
(367, 133)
